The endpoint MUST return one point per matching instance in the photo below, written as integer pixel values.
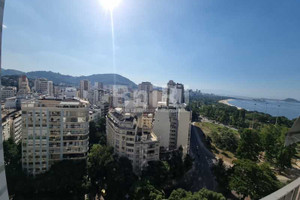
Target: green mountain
(9, 72)
(57, 78)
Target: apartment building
(50, 89)
(7, 92)
(53, 130)
(98, 85)
(12, 126)
(5, 129)
(131, 136)
(23, 85)
(140, 99)
(155, 98)
(85, 86)
(172, 127)
(175, 93)
(70, 92)
(95, 113)
(120, 93)
(43, 86)
(59, 91)
(147, 87)
(15, 120)
(99, 96)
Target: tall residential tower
(131, 136)
(53, 130)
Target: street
(200, 176)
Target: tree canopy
(250, 179)
(249, 145)
(273, 143)
(225, 140)
(203, 194)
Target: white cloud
(4, 26)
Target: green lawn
(208, 127)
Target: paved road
(200, 176)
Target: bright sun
(110, 4)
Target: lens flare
(110, 4)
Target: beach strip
(226, 102)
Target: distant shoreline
(225, 101)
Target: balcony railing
(288, 192)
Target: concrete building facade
(70, 92)
(12, 126)
(7, 92)
(155, 98)
(23, 85)
(131, 136)
(16, 126)
(85, 86)
(43, 86)
(98, 85)
(175, 93)
(147, 87)
(172, 127)
(50, 89)
(5, 129)
(53, 130)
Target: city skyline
(201, 43)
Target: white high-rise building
(50, 89)
(175, 94)
(120, 93)
(23, 86)
(131, 136)
(58, 91)
(155, 97)
(85, 86)
(7, 92)
(172, 127)
(70, 92)
(43, 86)
(98, 85)
(147, 87)
(140, 99)
(53, 130)
(97, 95)
(5, 129)
(12, 126)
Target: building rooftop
(123, 117)
(54, 102)
(75, 103)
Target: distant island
(291, 100)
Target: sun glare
(110, 4)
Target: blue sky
(247, 48)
